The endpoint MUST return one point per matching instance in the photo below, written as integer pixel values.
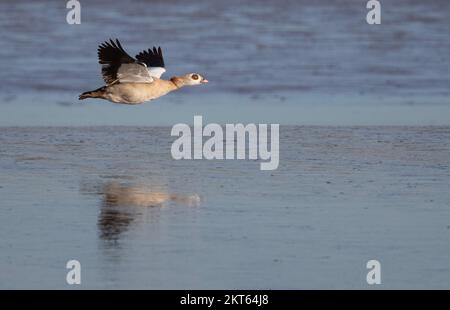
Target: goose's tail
(98, 93)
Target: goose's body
(133, 93)
(134, 81)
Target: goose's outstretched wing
(118, 66)
(153, 59)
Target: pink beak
(204, 81)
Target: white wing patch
(134, 73)
(156, 71)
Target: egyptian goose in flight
(134, 81)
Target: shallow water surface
(278, 53)
(114, 199)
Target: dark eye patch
(195, 76)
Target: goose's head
(189, 79)
(195, 79)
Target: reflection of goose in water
(140, 195)
(118, 208)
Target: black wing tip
(153, 57)
(111, 52)
(110, 43)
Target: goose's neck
(177, 81)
